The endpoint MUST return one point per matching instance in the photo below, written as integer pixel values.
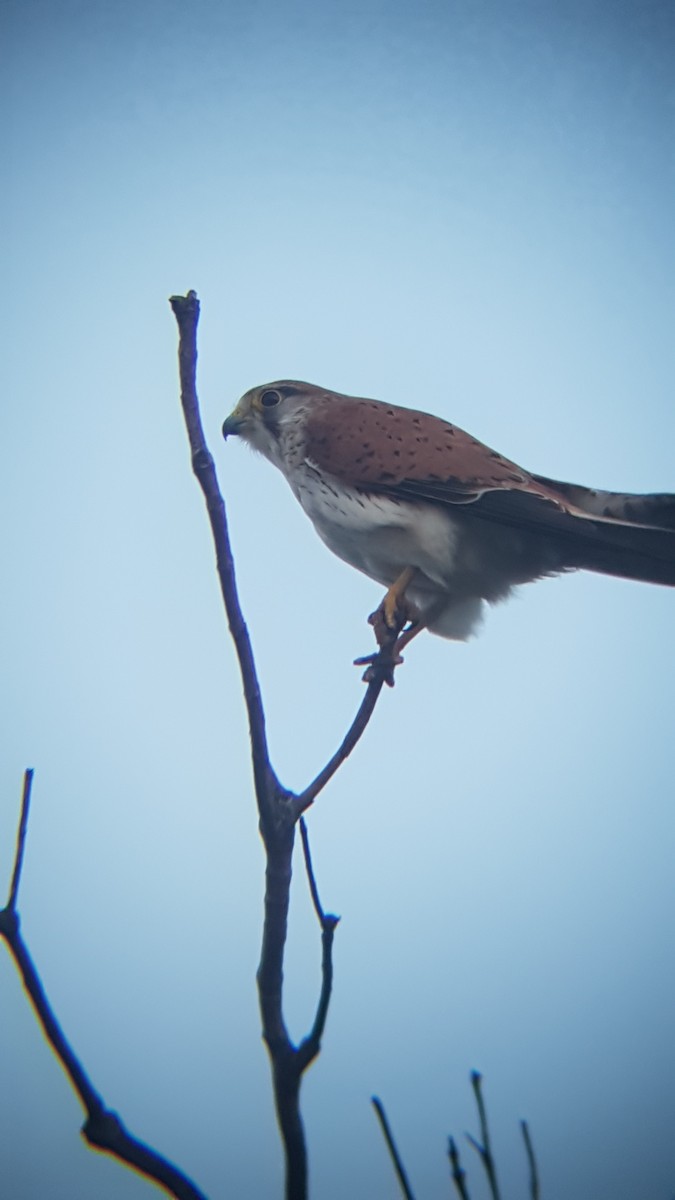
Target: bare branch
(102, 1128)
(278, 808)
(287, 1062)
(277, 816)
(186, 311)
(532, 1162)
(392, 1148)
(270, 976)
(20, 839)
(105, 1131)
(356, 730)
(311, 879)
(310, 1046)
(485, 1150)
(458, 1172)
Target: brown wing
(366, 442)
(414, 455)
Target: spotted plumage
(398, 492)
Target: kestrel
(435, 516)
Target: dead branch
(484, 1149)
(531, 1160)
(457, 1171)
(400, 1170)
(102, 1127)
(310, 1046)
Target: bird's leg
(396, 594)
(417, 624)
(408, 634)
(388, 622)
(394, 610)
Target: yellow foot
(394, 608)
(389, 621)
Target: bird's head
(264, 412)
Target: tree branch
(484, 1151)
(102, 1128)
(311, 878)
(304, 799)
(392, 1148)
(311, 1045)
(457, 1171)
(186, 311)
(531, 1160)
(20, 840)
(279, 809)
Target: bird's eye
(269, 398)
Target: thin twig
(20, 839)
(485, 1150)
(532, 1162)
(102, 1128)
(311, 879)
(302, 801)
(392, 1148)
(458, 1172)
(310, 1046)
(186, 311)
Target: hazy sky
(464, 206)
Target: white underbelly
(460, 559)
(379, 535)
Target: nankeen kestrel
(439, 519)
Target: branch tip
(20, 839)
(531, 1161)
(400, 1170)
(484, 1151)
(458, 1173)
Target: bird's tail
(632, 536)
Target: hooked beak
(233, 424)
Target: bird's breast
(378, 534)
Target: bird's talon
(383, 662)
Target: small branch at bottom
(102, 1128)
(531, 1160)
(484, 1151)
(20, 839)
(458, 1172)
(310, 1046)
(392, 1148)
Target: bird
(436, 517)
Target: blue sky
(465, 207)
